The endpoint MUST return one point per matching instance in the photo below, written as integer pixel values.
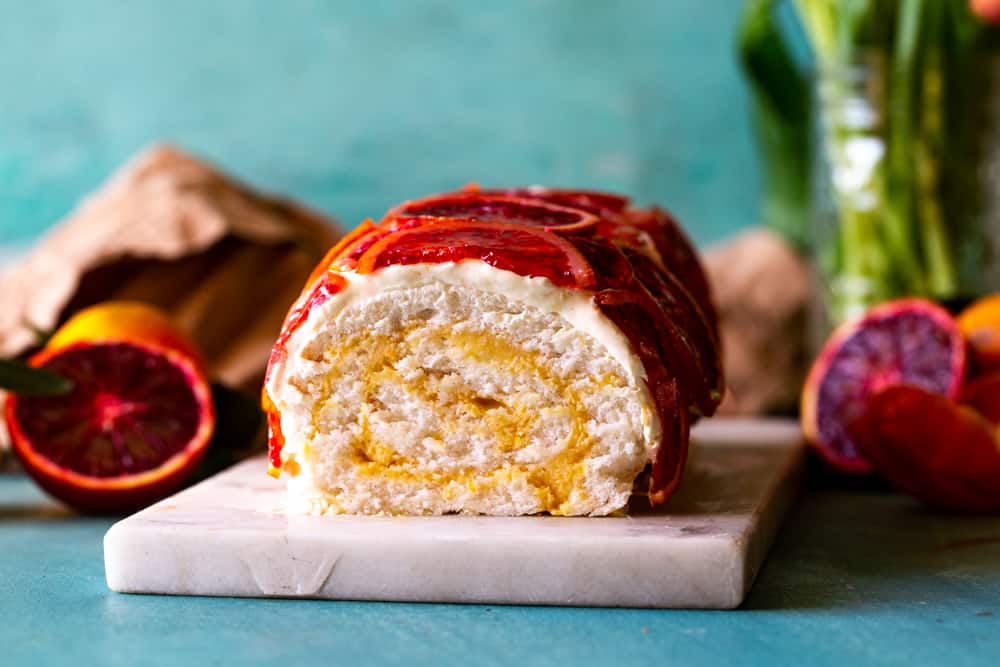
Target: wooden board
(229, 536)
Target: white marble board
(229, 536)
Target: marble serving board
(229, 536)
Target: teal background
(353, 106)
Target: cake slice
(498, 352)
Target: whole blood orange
(137, 421)
(980, 324)
(910, 341)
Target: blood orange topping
(599, 203)
(344, 247)
(676, 251)
(518, 248)
(496, 208)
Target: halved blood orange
(910, 341)
(528, 251)
(496, 208)
(137, 421)
(926, 445)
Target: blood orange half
(909, 341)
(137, 421)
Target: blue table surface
(854, 578)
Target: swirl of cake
(499, 352)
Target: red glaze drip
(639, 265)
(275, 438)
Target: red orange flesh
(137, 421)
(910, 341)
(926, 445)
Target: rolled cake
(497, 352)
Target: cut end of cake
(460, 387)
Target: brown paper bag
(762, 291)
(171, 230)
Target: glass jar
(908, 184)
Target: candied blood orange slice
(612, 269)
(931, 448)
(346, 247)
(676, 252)
(528, 251)
(598, 203)
(644, 331)
(692, 324)
(357, 243)
(496, 208)
(910, 341)
(137, 421)
(658, 340)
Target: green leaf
(782, 101)
(20, 378)
(776, 77)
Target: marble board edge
(739, 560)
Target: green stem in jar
(900, 215)
(941, 271)
(781, 114)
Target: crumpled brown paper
(172, 230)
(762, 290)
(169, 229)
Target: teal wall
(352, 106)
